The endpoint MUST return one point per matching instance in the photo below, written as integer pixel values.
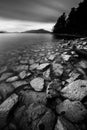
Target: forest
(75, 23)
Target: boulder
(76, 90)
(72, 110)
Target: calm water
(16, 41)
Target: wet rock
(57, 69)
(3, 69)
(46, 74)
(37, 117)
(43, 66)
(66, 57)
(20, 68)
(37, 84)
(5, 107)
(4, 76)
(33, 113)
(28, 97)
(12, 79)
(17, 84)
(51, 57)
(5, 90)
(76, 90)
(34, 66)
(72, 110)
(63, 124)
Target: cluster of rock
(46, 90)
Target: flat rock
(72, 110)
(43, 66)
(63, 124)
(66, 57)
(12, 79)
(4, 76)
(37, 84)
(51, 57)
(34, 66)
(28, 97)
(57, 69)
(5, 107)
(17, 84)
(5, 89)
(76, 90)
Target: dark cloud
(35, 10)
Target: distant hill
(37, 31)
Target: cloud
(35, 10)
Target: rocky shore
(45, 88)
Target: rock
(46, 74)
(4, 76)
(34, 66)
(22, 74)
(57, 69)
(51, 57)
(5, 90)
(37, 117)
(32, 114)
(53, 88)
(17, 84)
(47, 121)
(72, 110)
(63, 124)
(73, 77)
(43, 66)
(37, 84)
(66, 57)
(21, 68)
(31, 61)
(76, 90)
(5, 108)
(3, 69)
(28, 97)
(12, 79)
(83, 64)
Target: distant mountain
(2, 32)
(37, 31)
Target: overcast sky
(20, 15)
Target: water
(20, 41)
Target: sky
(21, 15)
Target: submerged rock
(37, 84)
(72, 110)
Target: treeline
(75, 23)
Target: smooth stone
(12, 79)
(5, 107)
(63, 124)
(5, 90)
(76, 90)
(37, 84)
(72, 110)
(57, 69)
(4, 76)
(43, 66)
(17, 84)
(28, 97)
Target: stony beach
(45, 88)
